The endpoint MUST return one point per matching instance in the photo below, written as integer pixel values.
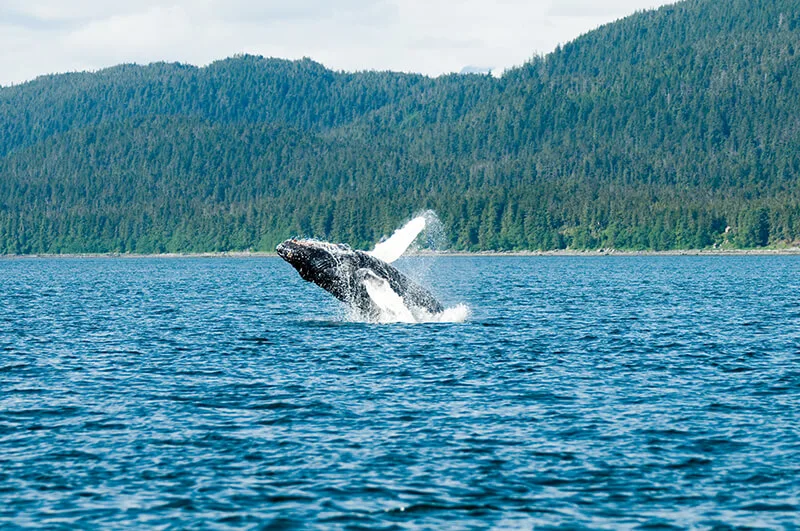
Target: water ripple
(633, 393)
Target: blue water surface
(227, 393)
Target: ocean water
(596, 392)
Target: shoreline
(790, 251)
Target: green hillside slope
(675, 128)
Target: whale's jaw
(326, 265)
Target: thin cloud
(426, 36)
(592, 9)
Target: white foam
(456, 314)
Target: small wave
(456, 314)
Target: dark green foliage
(754, 228)
(671, 129)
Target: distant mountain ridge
(669, 129)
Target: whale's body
(355, 277)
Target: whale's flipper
(394, 247)
(391, 305)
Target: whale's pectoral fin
(394, 247)
(390, 304)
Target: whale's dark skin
(342, 272)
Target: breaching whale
(364, 280)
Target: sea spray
(433, 238)
(420, 259)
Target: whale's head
(318, 262)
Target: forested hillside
(670, 129)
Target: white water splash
(457, 314)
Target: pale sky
(426, 36)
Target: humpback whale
(364, 280)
